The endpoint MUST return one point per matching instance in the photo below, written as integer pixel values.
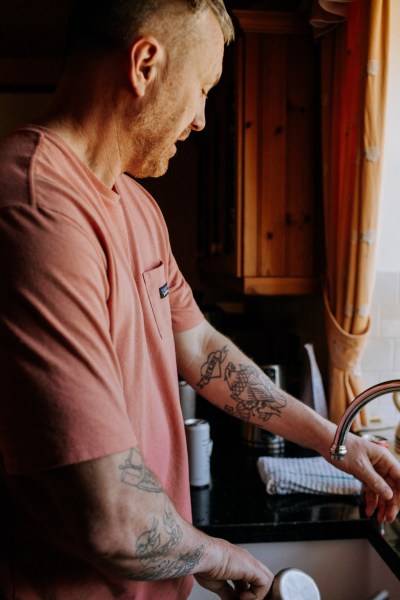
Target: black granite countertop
(237, 508)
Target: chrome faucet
(338, 449)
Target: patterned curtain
(354, 38)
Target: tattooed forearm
(136, 474)
(150, 542)
(162, 568)
(211, 369)
(254, 395)
(154, 545)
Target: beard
(154, 137)
(150, 158)
(153, 169)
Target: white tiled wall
(381, 358)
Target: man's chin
(151, 171)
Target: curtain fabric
(326, 14)
(354, 59)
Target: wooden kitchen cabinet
(260, 195)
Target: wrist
(322, 438)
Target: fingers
(388, 510)
(384, 510)
(370, 500)
(377, 483)
(239, 590)
(380, 473)
(222, 588)
(226, 592)
(247, 591)
(385, 482)
(374, 466)
(234, 573)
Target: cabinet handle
(289, 219)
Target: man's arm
(114, 513)
(221, 373)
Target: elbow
(109, 547)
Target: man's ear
(147, 57)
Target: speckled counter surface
(236, 507)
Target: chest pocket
(157, 291)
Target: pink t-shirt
(91, 296)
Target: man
(96, 318)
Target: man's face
(179, 104)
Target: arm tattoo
(149, 542)
(211, 369)
(136, 474)
(153, 552)
(254, 394)
(163, 534)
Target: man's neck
(96, 147)
(84, 114)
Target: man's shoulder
(28, 155)
(38, 169)
(16, 154)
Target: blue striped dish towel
(305, 475)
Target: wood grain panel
(272, 150)
(300, 158)
(251, 156)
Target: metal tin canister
(261, 438)
(199, 448)
(293, 583)
(187, 398)
(201, 508)
(377, 439)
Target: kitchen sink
(345, 569)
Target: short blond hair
(102, 26)
(219, 9)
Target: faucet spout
(338, 449)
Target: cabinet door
(277, 121)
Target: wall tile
(378, 355)
(370, 377)
(381, 359)
(390, 322)
(375, 312)
(386, 290)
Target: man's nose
(199, 122)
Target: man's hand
(237, 575)
(379, 471)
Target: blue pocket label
(164, 291)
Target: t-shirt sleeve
(185, 313)
(62, 398)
